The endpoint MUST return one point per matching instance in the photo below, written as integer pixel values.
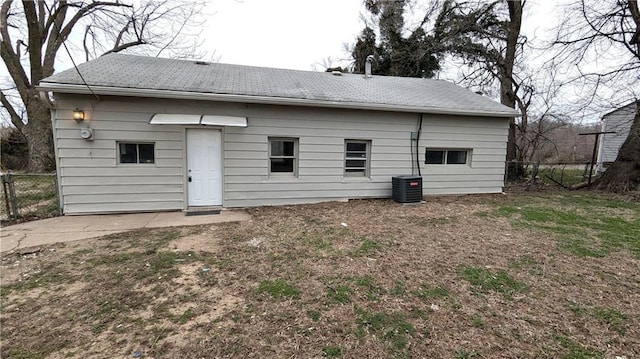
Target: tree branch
(15, 118)
(184, 23)
(85, 10)
(55, 42)
(62, 7)
(124, 29)
(41, 16)
(51, 37)
(11, 60)
(84, 42)
(635, 15)
(34, 40)
(125, 46)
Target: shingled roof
(130, 75)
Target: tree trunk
(511, 142)
(507, 92)
(39, 135)
(46, 27)
(624, 174)
(507, 98)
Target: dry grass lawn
(552, 275)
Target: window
(446, 156)
(137, 152)
(283, 156)
(456, 157)
(434, 157)
(356, 158)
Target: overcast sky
(292, 34)
(298, 34)
(303, 34)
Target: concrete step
(199, 211)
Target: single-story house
(618, 121)
(137, 133)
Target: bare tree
(34, 32)
(486, 35)
(539, 142)
(542, 116)
(600, 40)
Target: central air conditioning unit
(407, 189)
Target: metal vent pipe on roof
(367, 66)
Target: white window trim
(446, 152)
(367, 164)
(295, 157)
(137, 163)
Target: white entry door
(204, 167)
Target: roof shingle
(160, 74)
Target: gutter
(185, 95)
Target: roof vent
(367, 66)
(336, 73)
(201, 63)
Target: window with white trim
(132, 153)
(444, 156)
(357, 155)
(283, 156)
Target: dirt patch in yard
(456, 277)
(195, 242)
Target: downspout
(45, 98)
(413, 161)
(418, 144)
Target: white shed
(618, 121)
(163, 134)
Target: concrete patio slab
(74, 228)
(169, 219)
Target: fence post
(55, 183)
(534, 175)
(14, 198)
(506, 173)
(11, 196)
(6, 195)
(585, 173)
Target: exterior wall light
(78, 115)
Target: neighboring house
(162, 134)
(618, 121)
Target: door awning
(210, 120)
(231, 121)
(171, 119)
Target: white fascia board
(185, 95)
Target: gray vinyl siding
(321, 135)
(485, 138)
(619, 121)
(91, 180)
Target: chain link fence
(536, 175)
(29, 196)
